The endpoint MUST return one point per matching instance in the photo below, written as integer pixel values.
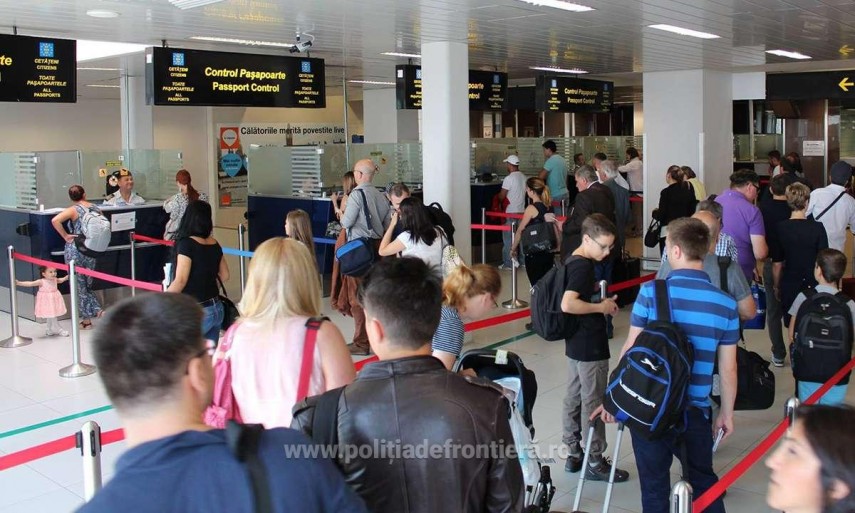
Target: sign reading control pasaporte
(567, 94)
(38, 69)
(195, 77)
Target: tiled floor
(35, 398)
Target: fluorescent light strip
(242, 41)
(103, 85)
(91, 50)
(99, 69)
(684, 31)
(559, 70)
(791, 55)
(190, 4)
(370, 82)
(398, 54)
(558, 4)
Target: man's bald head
(714, 225)
(363, 171)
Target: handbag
(223, 405)
(333, 229)
(537, 238)
(230, 311)
(450, 259)
(356, 257)
(651, 237)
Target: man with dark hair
(774, 163)
(358, 226)
(832, 207)
(743, 221)
(593, 198)
(408, 401)
(156, 368)
(587, 350)
(123, 195)
(554, 173)
(717, 329)
(774, 208)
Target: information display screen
(38, 69)
(488, 90)
(570, 94)
(195, 77)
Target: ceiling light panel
(550, 69)
(90, 50)
(247, 42)
(398, 54)
(192, 4)
(558, 4)
(370, 82)
(791, 55)
(684, 31)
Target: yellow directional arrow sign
(845, 84)
(845, 50)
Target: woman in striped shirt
(469, 293)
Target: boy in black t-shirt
(588, 349)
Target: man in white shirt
(842, 211)
(124, 195)
(634, 170)
(513, 188)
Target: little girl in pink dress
(49, 302)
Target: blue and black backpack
(648, 391)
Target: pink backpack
(223, 406)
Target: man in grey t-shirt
(737, 285)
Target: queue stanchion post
(16, 340)
(242, 247)
(133, 263)
(483, 236)
(89, 443)
(514, 303)
(681, 497)
(790, 411)
(77, 368)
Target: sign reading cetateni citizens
(38, 69)
(223, 79)
(567, 94)
(829, 85)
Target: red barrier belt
(631, 283)
(636, 199)
(109, 437)
(145, 238)
(516, 216)
(38, 452)
(493, 321)
(38, 261)
(494, 227)
(712, 494)
(95, 274)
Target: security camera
(300, 46)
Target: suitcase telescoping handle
(603, 290)
(578, 501)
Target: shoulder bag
(356, 257)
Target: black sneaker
(529, 326)
(573, 464)
(600, 472)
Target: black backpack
(648, 391)
(440, 218)
(822, 342)
(547, 318)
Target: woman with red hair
(176, 205)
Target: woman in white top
(267, 346)
(419, 238)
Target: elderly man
(593, 198)
(125, 194)
(358, 227)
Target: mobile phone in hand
(718, 438)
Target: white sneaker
(63, 333)
(49, 333)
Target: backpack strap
(830, 205)
(663, 306)
(367, 212)
(723, 264)
(325, 418)
(312, 327)
(243, 441)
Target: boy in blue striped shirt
(710, 320)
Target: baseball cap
(841, 172)
(513, 160)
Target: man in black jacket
(593, 198)
(412, 436)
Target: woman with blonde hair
(468, 293)
(537, 263)
(267, 342)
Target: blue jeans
(212, 321)
(653, 459)
(506, 246)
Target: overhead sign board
(811, 86)
(570, 94)
(38, 69)
(488, 90)
(177, 76)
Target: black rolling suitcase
(626, 268)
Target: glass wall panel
(56, 171)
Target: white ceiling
(612, 41)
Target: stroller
(520, 384)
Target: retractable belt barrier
(154, 287)
(505, 215)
